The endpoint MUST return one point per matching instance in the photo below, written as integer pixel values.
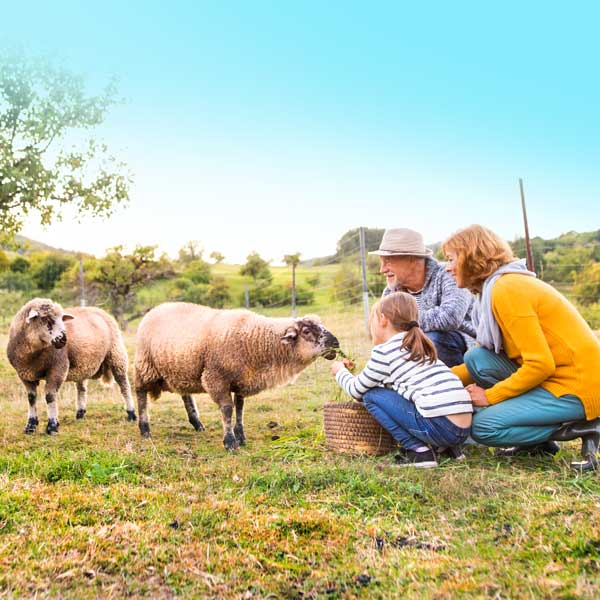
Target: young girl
(406, 388)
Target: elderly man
(444, 309)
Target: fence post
(246, 296)
(294, 290)
(365, 287)
(81, 283)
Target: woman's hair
(479, 252)
(401, 310)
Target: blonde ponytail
(401, 310)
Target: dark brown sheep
(48, 343)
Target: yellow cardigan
(549, 340)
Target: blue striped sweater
(433, 388)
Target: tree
(4, 261)
(217, 257)
(40, 104)
(120, 275)
(349, 243)
(347, 284)
(48, 270)
(19, 265)
(256, 267)
(293, 260)
(587, 288)
(190, 252)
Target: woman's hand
(336, 366)
(477, 394)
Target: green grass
(97, 512)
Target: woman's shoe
(577, 429)
(589, 432)
(549, 447)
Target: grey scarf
(488, 330)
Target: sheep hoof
(52, 427)
(31, 426)
(145, 429)
(240, 436)
(80, 413)
(197, 425)
(131, 415)
(230, 442)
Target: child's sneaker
(451, 452)
(419, 460)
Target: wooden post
(294, 290)
(365, 287)
(81, 283)
(530, 264)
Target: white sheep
(187, 349)
(48, 343)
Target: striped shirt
(433, 388)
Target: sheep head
(46, 322)
(310, 339)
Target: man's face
(397, 270)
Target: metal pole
(246, 296)
(530, 264)
(81, 282)
(365, 287)
(294, 290)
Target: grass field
(97, 512)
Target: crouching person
(537, 370)
(412, 394)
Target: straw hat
(402, 242)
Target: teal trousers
(524, 420)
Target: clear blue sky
(277, 126)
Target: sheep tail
(107, 378)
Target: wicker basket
(349, 428)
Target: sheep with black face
(45, 342)
(229, 354)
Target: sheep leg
(81, 399)
(192, 412)
(226, 405)
(52, 405)
(238, 430)
(120, 375)
(32, 418)
(144, 422)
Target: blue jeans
(450, 346)
(406, 425)
(524, 420)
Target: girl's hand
(477, 394)
(336, 366)
(348, 364)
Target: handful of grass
(348, 362)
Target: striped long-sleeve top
(433, 388)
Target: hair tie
(411, 324)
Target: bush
(15, 281)
(279, 295)
(218, 293)
(198, 271)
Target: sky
(277, 126)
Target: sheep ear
(290, 335)
(67, 317)
(32, 315)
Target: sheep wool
(229, 354)
(47, 343)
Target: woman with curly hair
(537, 367)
